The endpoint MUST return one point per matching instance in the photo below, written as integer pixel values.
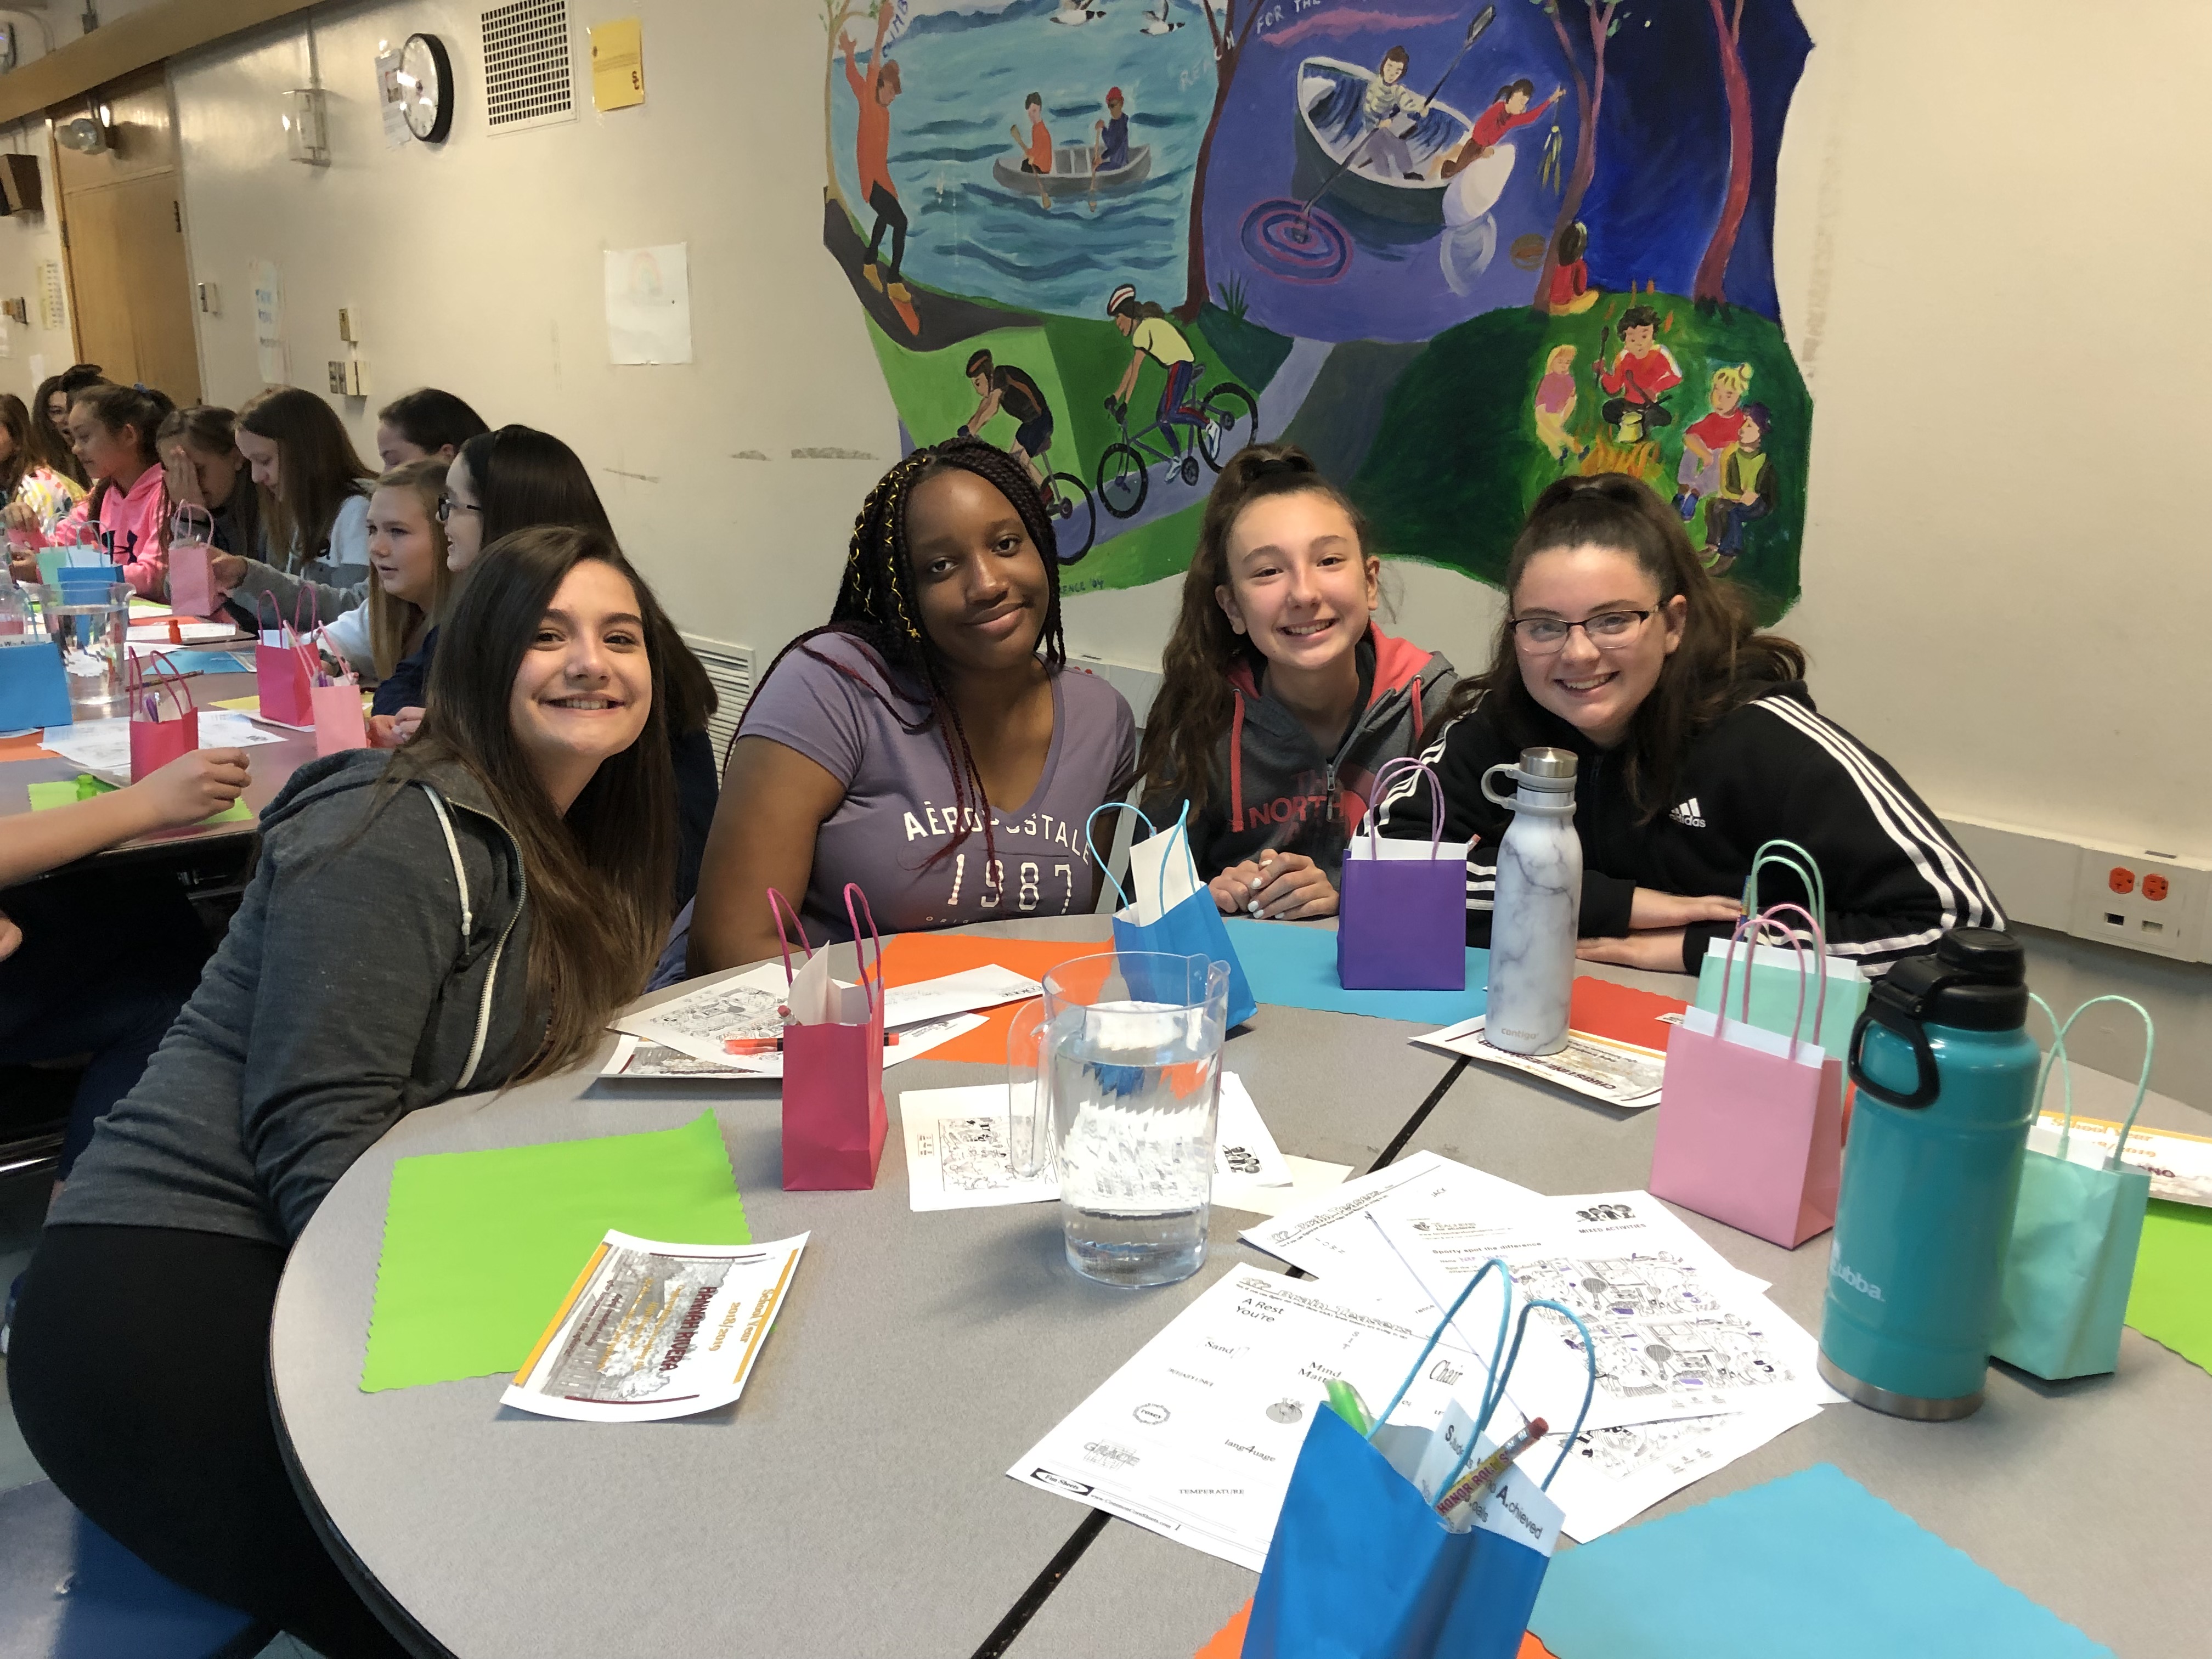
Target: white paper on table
(157, 634)
(638, 1058)
(1310, 1179)
(1678, 1331)
(1387, 849)
(745, 1005)
(955, 1148)
(1619, 1073)
(2180, 1165)
(1161, 875)
(1332, 1235)
(955, 1151)
(988, 986)
(1614, 1475)
(656, 1330)
(228, 728)
(1195, 1437)
(105, 745)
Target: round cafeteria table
(855, 1503)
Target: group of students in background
(541, 834)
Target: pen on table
(1465, 1490)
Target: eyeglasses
(447, 506)
(1609, 630)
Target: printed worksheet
(637, 1057)
(1612, 1475)
(2180, 1165)
(1619, 1073)
(1195, 1437)
(1334, 1236)
(656, 1330)
(1678, 1332)
(747, 1010)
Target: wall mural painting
(1456, 254)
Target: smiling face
(1300, 588)
(265, 458)
(585, 688)
(403, 546)
(980, 581)
(57, 405)
(464, 519)
(1596, 692)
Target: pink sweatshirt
(130, 523)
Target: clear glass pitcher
(90, 621)
(1115, 1078)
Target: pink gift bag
(1751, 1122)
(339, 724)
(192, 575)
(284, 668)
(834, 1122)
(157, 739)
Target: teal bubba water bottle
(1946, 1071)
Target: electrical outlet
(2156, 901)
(337, 378)
(357, 378)
(210, 300)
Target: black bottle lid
(1975, 980)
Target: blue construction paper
(207, 662)
(1810, 1566)
(1295, 967)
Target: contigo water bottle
(1946, 1071)
(1538, 901)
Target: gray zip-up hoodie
(368, 972)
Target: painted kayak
(1071, 173)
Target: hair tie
(1275, 466)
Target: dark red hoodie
(1273, 788)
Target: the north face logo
(1688, 813)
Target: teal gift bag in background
(1172, 912)
(2074, 1239)
(1774, 971)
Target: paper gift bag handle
(1814, 964)
(777, 905)
(182, 529)
(1590, 1386)
(1796, 860)
(276, 614)
(1748, 928)
(1091, 846)
(1495, 1387)
(1403, 765)
(872, 985)
(2057, 1056)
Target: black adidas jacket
(1896, 880)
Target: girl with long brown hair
(199, 452)
(114, 428)
(1696, 743)
(36, 496)
(462, 915)
(1279, 699)
(931, 743)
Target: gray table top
(855, 1502)
(2122, 1556)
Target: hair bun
(1275, 466)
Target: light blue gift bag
(1774, 968)
(1191, 926)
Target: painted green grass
(1456, 461)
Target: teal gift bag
(2074, 1240)
(1172, 912)
(1774, 970)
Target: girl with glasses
(1698, 742)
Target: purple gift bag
(1401, 915)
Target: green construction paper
(64, 794)
(479, 1248)
(2171, 1300)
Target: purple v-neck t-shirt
(899, 812)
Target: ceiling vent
(730, 669)
(529, 65)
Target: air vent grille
(731, 668)
(529, 72)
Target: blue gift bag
(1191, 926)
(33, 689)
(1361, 1565)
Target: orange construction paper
(1228, 1642)
(27, 747)
(913, 958)
(1622, 1014)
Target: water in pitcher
(1135, 1087)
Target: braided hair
(878, 604)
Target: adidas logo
(1687, 813)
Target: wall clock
(426, 85)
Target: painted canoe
(1071, 173)
(1330, 126)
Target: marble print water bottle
(1538, 903)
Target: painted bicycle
(1211, 429)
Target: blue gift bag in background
(33, 689)
(1172, 912)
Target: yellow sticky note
(618, 64)
(245, 705)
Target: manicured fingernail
(1252, 908)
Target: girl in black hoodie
(1697, 742)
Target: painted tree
(1229, 37)
(1604, 19)
(1710, 288)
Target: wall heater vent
(731, 668)
(529, 65)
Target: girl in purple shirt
(931, 743)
